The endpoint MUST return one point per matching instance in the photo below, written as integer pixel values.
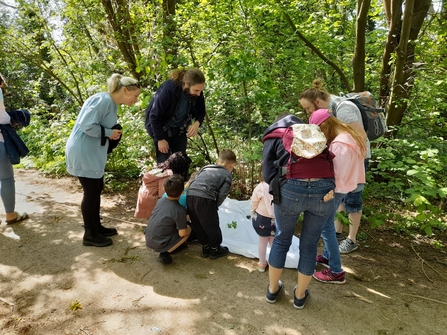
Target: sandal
(20, 217)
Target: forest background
(257, 56)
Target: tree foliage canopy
(258, 56)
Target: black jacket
(14, 145)
(165, 104)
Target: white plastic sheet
(243, 239)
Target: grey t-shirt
(167, 218)
(348, 113)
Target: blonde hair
(332, 126)
(316, 92)
(117, 81)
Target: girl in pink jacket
(349, 149)
(263, 220)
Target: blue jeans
(301, 197)
(7, 185)
(353, 202)
(331, 249)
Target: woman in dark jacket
(7, 185)
(301, 186)
(177, 102)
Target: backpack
(301, 141)
(373, 117)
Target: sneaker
(327, 276)
(205, 251)
(339, 236)
(347, 246)
(261, 268)
(220, 251)
(165, 258)
(322, 260)
(299, 303)
(271, 297)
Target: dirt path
(124, 291)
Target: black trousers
(204, 220)
(176, 144)
(91, 201)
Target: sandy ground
(51, 284)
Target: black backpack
(373, 117)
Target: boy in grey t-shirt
(167, 228)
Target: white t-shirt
(4, 117)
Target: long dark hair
(189, 77)
(178, 163)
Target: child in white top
(263, 220)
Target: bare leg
(354, 218)
(262, 249)
(274, 276)
(183, 240)
(303, 283)
(271, 238)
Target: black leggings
(204, 220)
(91, 201)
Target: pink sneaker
(322, 260)
(326, 276)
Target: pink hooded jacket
(349, 166)
(150, 191)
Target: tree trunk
(169, 32)
(358, 62)
(121, 23)
(403, 74)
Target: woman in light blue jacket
(86, 150)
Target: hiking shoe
(339, 236)
(347, 246)
(220, 251)
(261, 268)
(165, 258)
(299, 303)
(327, 276)
(271, 297)
(322, 260)
(205, 251)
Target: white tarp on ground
(243, 239)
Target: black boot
(217, 252)
(106, 231)
(93, 238)
(205, 251)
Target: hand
(193, 129)
(163, 146)
(116, 134)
